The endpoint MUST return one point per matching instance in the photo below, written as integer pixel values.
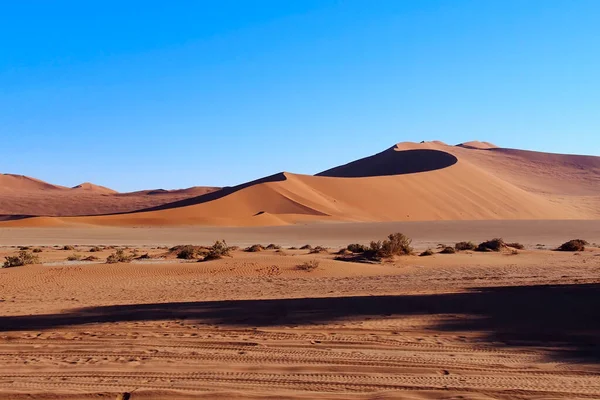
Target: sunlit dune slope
(410, 181)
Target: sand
(468, 326)
(408, 182)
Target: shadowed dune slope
(411, 181)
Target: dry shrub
(462, 246)
(188, 252)
(426, 253)
(255, 248)
(95, 249)
(573, 245)
(318, 250)
(515, 245)
(292, 248)
(91, 258)
(396, 244)
(23, 258)
(217, 251)
(118, 256)
(144, 256)
(306, 247)
(448, 250)
(309, 265)
(74, 257)
(273, 247)
(68, 247)
(37, 250)
(357, 248)
(492, 245)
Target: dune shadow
(393, 162)
(564, 319)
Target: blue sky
(149, 94)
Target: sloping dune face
(410, 181)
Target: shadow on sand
(564, 318)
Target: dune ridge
(407, 182)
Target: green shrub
(118, 256)
(573, 245)
(462, 246)
(218, 250)
(492, 245)
(397, 244)
(23, 258)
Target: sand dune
(408, 182)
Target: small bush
(515, 245)
(68, 247)
(273, 247)
(573, 245)
(357, 248)
(37, 250)
(91, 258)
(462, 246)
(292, 248)
(448, 250)
(74, 257)
(318, 250)
(306, 247)
(255, 248)
(95, 249)
(188, 252)
(492, 245)
(309, 265)
(397, 244)
(426, 253)
(24, 248)
(23, 258)
(118, 256)
(218, 250)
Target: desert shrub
(309, 265)
(318, 250)
(397, 244)
(462, 246)
(37, 250)
(188, 252)
(91, 258)
(218, 250)
(306, 247)
(448, 250)
(492, 245)
(254, 248)
(273, 247)
(426, 253)
(573, 245)
(24, 248)
(292, 248)
(118, 256)
(343, 252)
(74, 257)
(357, 248)
(68, 247)
(23, 258)
(515, 245)
(145, 256)
(95, 249)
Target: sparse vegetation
(463, 246)
(492, 245)
(118, 256)
(188, 252)
(23, 258)
(68, 247)
(74, 257)
(396, 244)
(573, 245)
(37, 250)
(95, 249)
(273, 247)
(357, 248)
(515, 245)
(426, 253)
(306, 247)
(145, 256)
(91, 258)
(24, 248)
(292, 248)
(255, 248)
(217, 251)
(448, 250)
(318, 250)
(309, 265)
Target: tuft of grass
(24, 257)
(573, 245)
(448, 250)
(462, 246)
(255, 248)
(118, 256)
(217, 251)
(492, 245)
(309, 265)
(427, 253)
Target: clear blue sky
(149, 94)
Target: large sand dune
(408, 182)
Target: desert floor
(470, 325)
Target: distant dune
(407, 182)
